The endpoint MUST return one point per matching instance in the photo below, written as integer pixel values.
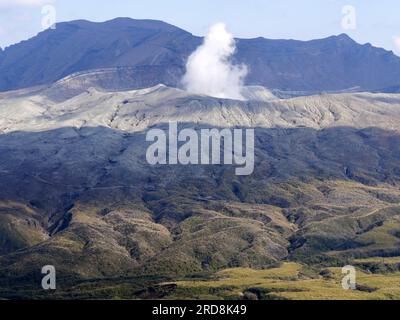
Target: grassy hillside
(289, 281)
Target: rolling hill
(76, 190)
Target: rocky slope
(76, 190)
(135, 111)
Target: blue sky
(377, 22)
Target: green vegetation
(173, 242)
(288, 282)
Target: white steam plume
(209, 69)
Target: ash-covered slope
(136, 110)
(76, 190)
(156, 52)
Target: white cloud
(23, 3)
(209, 69)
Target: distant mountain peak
(157, 49)
(344, 36)
(143, 23)
(122, 22)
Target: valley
(77, 192)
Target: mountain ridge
(69, 104)
(332, 63)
